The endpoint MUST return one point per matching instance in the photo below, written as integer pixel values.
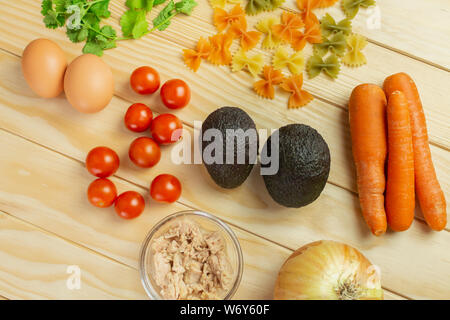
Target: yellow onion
(328, 270)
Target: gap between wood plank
(81, 246)
(331, 103)
(77, 244)
(382, 45)
(190, 126)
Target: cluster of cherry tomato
(144, 152)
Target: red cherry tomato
(165, 188)
(175, 94)
(166, 128)
(102, 162)
(129, 205)
(102, 193)
(144, 80)
(144, 152)
(138, 117)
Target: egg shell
(43, 67)
(88, 83)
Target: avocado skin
(304, 166)
(230, 176)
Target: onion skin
(328, 270)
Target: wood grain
(402, 27)
(335, 216)
(34, 266)
(48, 190)
(64, 210)
(43, 273)
(235, 89)
(67, 136)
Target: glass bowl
(207, 222)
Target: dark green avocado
(230, 174)
(304, 165)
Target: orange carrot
(429, 192)
(367, 109)
(400, 200)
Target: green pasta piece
(351, 7)
(336, 44)
(329, 26)
(330, 66)
(274, 4)
(254, 7)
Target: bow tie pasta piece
(306, 7)
(265, 26)
(222, 3)
(351, 7)
(193, 58)
(326, 3)
(290, 22)
(249, 39)
(295, 62)
(223, 19)
(354, 57)
(330, 66)
(220, 49)
(256, 6)
(336, 44)
(299, 97)
(329, 26)
(271, 77)
(312, 34)
(253, 64)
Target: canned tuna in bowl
(191, 255)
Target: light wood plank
(235, 89)
(48, 190)
(34, 266)
(61, 130)
(43, 274)
(416, 28)
(334, 216)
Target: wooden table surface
(47, 224)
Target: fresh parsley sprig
(82, 20)
(162, 21)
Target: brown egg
(88, 83)
(43, 66)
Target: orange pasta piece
(290, 22)
(220, 49)
(312, 34)
(306, 6)
(326, 3)
(265, 88)
(193, 58)
(298, 97)
(249, 39)
(223, 19)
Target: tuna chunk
(191, 263)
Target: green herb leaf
(185, 6)
(134, 24)
(77, 35)
(158, 2)
(46, 6)
(162, 21)
(142, 4)
(101, 9)
(94, 48)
